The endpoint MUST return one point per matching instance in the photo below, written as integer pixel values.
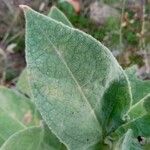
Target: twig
(142, 39)
(15, 36)
(7, 3)
(122, 16)
(2, 80)
(10, 27)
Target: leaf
(50, 141)
(22, 84)
(76, 5)
(77, 84)
(26, 139)
(8, 126)
(140, 108)
(17, 105)
(128, 142)
(56, 14)
(140, 127)
(33, 138)
(66, 7)
(16, 112)
(140, 88)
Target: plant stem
(142, 40)
(2, 80)
(122, 16)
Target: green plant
(108, 33)
(82, 94)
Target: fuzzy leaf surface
(140, 88)
(140, 127)
(27, 139)
(34, 138)
(56, 14)
(140, 108)
(77, 84)
(16, 113)
(8, 126)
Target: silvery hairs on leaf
(79, 88)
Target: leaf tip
(24, 7)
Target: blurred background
(121, 25)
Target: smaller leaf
(140, 108)
(140, 127)
(66, 7)
(34, 138)
(140, 88)
(8, 126)
(23, 140)
(16, 112)
(18, 106)
(128, 142)
(56, 14)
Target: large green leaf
(140, 88)
(140, 108)
(16, 112)
(77, 84)
(128, 142)
(34, 138)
